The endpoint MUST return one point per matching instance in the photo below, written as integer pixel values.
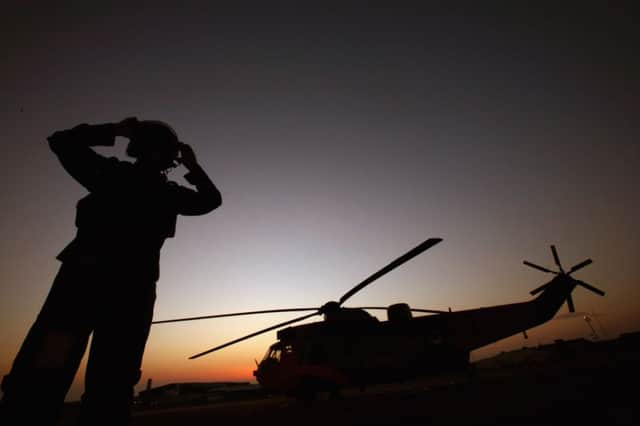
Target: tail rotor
(561, 272)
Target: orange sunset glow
(338, 141)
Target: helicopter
(352, 348)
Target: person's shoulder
(176, 189)
(121, 164)
(172, 185)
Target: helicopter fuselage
(353, 348)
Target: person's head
(155, 144)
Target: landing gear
(306, 391)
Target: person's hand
(187, 156)
(127, 127)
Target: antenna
(594, 335)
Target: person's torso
(124, 223)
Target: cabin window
(275, 354)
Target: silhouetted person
(106, 283)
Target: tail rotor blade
(273, 327)
(570, 303)
(590, 287)
(580, 265)
(399, 261)
(556, 258)
(538, 267)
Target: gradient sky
(340, 138)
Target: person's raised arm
(206, 197)
(73, 148)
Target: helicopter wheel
(335, 393)
(472, 371)
(306, 391)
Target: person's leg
(115, 358)
(48, 359)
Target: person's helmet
(154, 139)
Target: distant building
(631, 339)
(559, 350)
(195, 393)
(567, 351)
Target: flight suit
(105, 286)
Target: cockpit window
(277, 350)
(273, 353)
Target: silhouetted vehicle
(353, 348)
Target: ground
(597, 388)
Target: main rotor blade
(556, 258)
(273, 327)
(541, 268)
(570, 303)
(375, 308)
(580, 265)
(383, 308)
(399, 261)
(430, 311)
(590, 287)
(236, 314)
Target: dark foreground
(598, 389)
